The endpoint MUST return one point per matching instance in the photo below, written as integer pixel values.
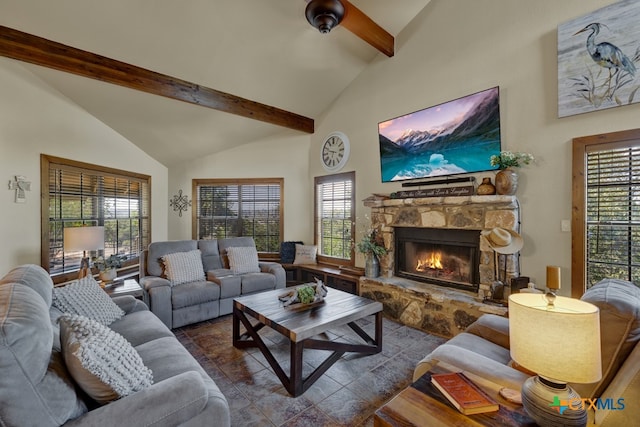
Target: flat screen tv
(457, 137)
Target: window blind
(613, 214)
(240, 209)
(79, 195)
(335, 215)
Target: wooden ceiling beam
(367, 29)
(36, 50)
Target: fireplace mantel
(457, 212)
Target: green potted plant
(107, 267)
(372, 246)
(508, 159)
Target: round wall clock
(334, 152)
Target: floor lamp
(559, 339)
(83, 239)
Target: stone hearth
(431, 308)
(436, 309)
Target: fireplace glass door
(439, 256)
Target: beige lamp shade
(83, 238)
(560, 343)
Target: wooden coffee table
(301, 325)
(421, 404)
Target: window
(334, 217)
(606, 223)
(242, 207)
(76, 194)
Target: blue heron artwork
(598, 59)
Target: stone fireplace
(446, 299)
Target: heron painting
(598, 59)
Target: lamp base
(552, 404)
(84, 268)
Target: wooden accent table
(301, 325)
(128, 287)
(421, 404)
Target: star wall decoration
(180, 203)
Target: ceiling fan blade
(366, 28)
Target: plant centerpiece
(507, 177)
(508, 159)
(107, 267)
(372, 246)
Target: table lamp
(83, 239)
(561, 343)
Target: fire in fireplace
(445, 257)
(432, 261)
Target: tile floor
(347, 394)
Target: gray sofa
(201, 300)
(483, 349)
(37, 390)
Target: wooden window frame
(581, 146)
(238, 181)
(351, 176)
(46, 163)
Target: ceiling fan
(327, 14)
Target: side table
(421, 404)
(128, 287)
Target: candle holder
(553, 284)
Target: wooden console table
(331, 276)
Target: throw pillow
(288, 252)
(183, 267)
(243, 259)
(101, 361)
(85, 298)
(305, 254)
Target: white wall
(458, 47)
(452, 48)
(282, 157)
(36, 119)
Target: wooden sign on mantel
(467, 190)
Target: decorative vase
(507, 182)
(108, 275)
(372, 266)
(486, 188)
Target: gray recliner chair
(201, 300)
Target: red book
(463, 393)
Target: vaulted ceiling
(260, 50)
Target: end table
(422, 404)
(128, 287)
